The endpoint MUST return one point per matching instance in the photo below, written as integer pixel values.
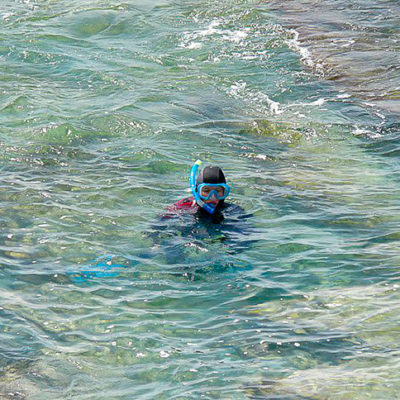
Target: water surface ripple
(104, 107)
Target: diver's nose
(213, 197)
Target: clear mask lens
(220, 191)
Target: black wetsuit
(185, 224)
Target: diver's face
(212, 194)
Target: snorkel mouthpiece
(210, 208)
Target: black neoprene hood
(211, 174)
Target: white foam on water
(348, 43)
(191, 45)
(210, 30)
(6, 16)
(357, 131)
(318, 102)
(192, 40)
(305, 54)
(274, 106)
(238, 90)
(343, 96)
(164, 354)
(236, 36)
(376, 111)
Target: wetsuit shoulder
(186, 204)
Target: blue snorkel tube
(210, 208)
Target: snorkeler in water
(209, 191)
(204, 220)
(202, 223)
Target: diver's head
(211, 187)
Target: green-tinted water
(104, 107)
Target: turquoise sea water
(104, 107)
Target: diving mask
(207, 190)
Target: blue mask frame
(214, 192)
